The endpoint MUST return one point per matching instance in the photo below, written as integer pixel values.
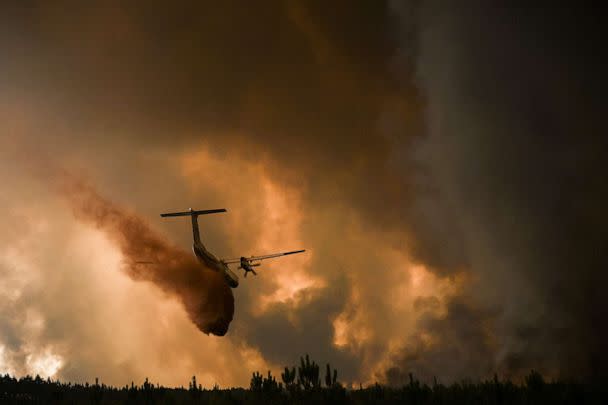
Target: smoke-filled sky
(443, 165)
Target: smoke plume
(203, 292)
(404, 144)
(513, 147)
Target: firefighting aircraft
(207, 258)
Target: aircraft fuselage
(201, 253)
(209, 260)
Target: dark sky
(443, 166)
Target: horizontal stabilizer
(191, 212)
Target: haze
(443, 167)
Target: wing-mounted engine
(248, 263)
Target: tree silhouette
(534, 389)
(308, 374)
(329, 381)
(289, 379)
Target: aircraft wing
(256, 258)
(230, 261)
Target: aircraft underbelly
(210, 261)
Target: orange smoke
(203, 292)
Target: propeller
(248, 267)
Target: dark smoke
(485, 155)
(516, 149)
(462, 344)
(203, 292)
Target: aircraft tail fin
(191, 212)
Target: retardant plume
(203, 292)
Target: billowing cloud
(513, 153)
(407, 152)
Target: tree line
(306, 384)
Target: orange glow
(277, 213)
(45, 364)
(284, 218)
(351, 334)
(5, 366)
